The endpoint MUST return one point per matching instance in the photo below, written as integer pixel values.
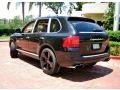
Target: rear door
(37, 36)
(93, 39)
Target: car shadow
(79, 75)
(29, 60)
(84, 74)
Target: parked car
(61, 41)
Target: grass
(4, 38)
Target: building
(94, 11)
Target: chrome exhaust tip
(79, 66)
(106, 59)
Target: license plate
(96, 46)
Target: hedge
(6, 31)
(112, 43)
(114, 35)
(115, 48)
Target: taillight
(71, 42)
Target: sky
(16, 11)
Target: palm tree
(23, 9)
(55, 6)
(39, 4)
(72, 6)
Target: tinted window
(28, 28)
(55, 25)
(80, 19)
(41, 25)
(86, 26)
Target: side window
(41, 25)
(55, 25)
(29, 27)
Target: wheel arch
(11, 40)
(45, 46)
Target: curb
(115, 57)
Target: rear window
(83, 26)
(80, 19)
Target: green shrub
(112, 43)
(114, 35)
(6, 31)
(115, 48)
(8, 27)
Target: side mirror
(18, 30)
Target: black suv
(61, 42)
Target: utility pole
(116, 16)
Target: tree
(15, 23)
(72, 6)
(108, 17)
(4, 23)
(55, 6)
(75, 5)
(39, 4)
(23, 8)
(28, 18)
(79, 6)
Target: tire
(90, 65)
(13, 51)
(48, 62)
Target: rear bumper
(91, 58)
(66, 59)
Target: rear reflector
(71, 42)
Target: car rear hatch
(93, 43)
(93, 39)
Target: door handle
(42, 38)
(21, 38)
(27, 37)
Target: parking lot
(25, 73)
